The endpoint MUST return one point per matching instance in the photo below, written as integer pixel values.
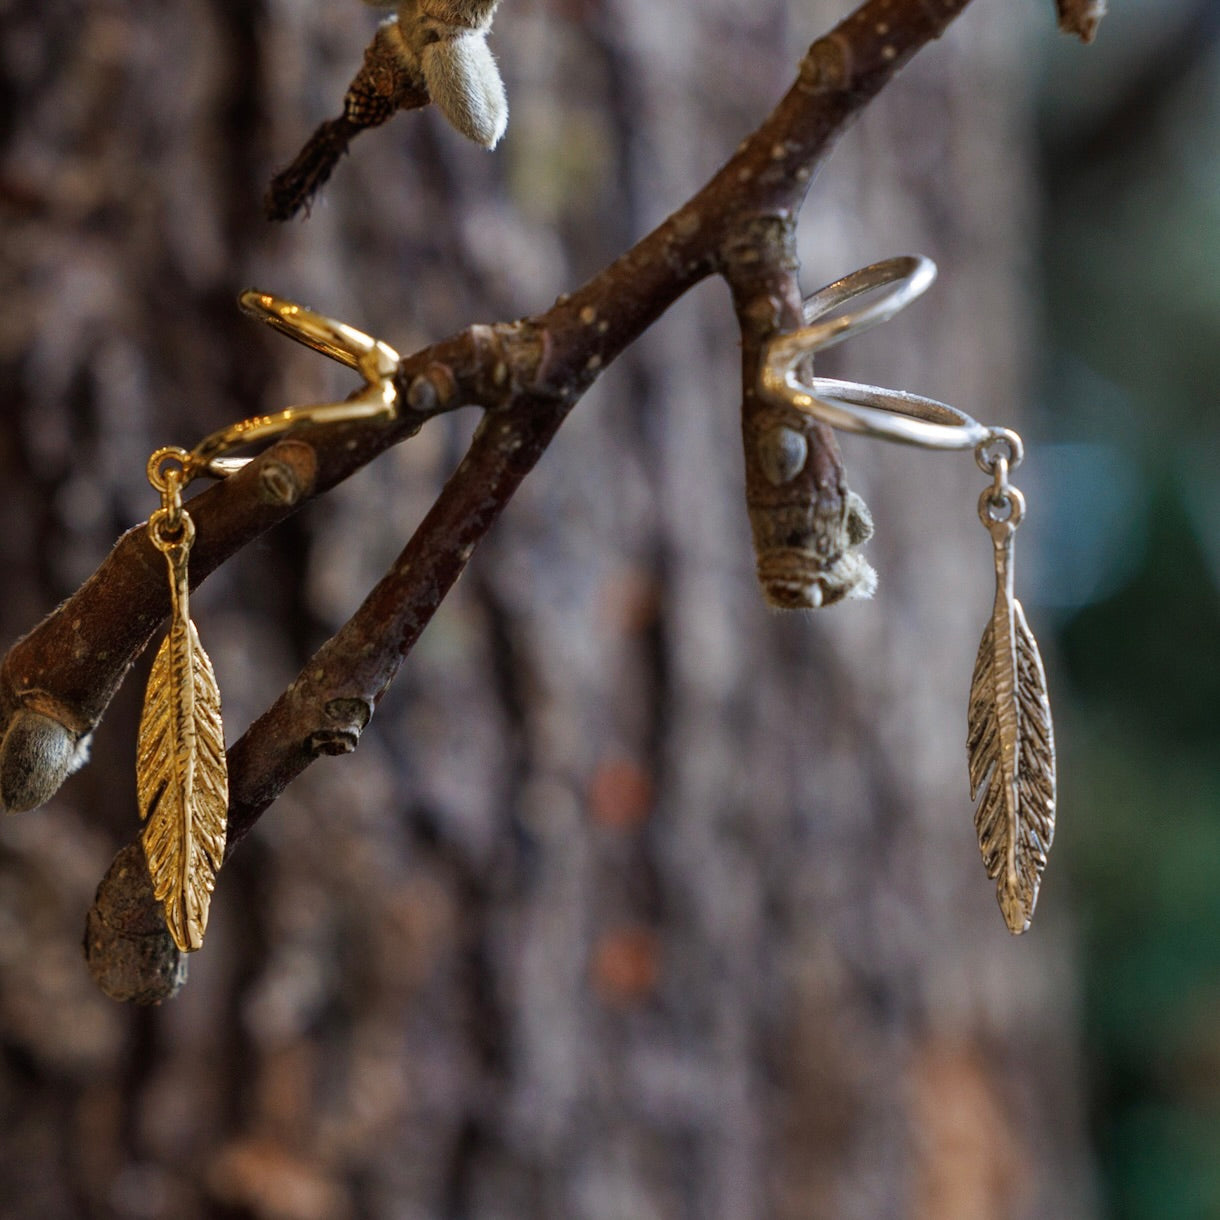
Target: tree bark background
(638, 900)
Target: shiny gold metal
(370, 357)
(375, 361)
(181, 774)
(1010, 738)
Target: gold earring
(181, 772)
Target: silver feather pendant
(1010, 738)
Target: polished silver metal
(1010, 735)
(893, 415)
(907, 277)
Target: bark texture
(637, 899)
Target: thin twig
(382, 87)
(1081, 17)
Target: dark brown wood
(636, 898)
(739, 224)
(1081, 17)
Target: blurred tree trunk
(638, 900)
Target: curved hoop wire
(907, 278)
(893, 415)
(375, 361)
(370, 357)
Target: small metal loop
(161, 480)
(906, 277)
(999, 478)
(168, 535)
(999, 443)
(992, 508)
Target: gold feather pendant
(181, 773)
(1010, 737)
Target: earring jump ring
(1002, 443)
(156, 470)
(167, 534)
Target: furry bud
(465, 84)
(36, 756)
(428, 51)
(443, 40)
(473, 14)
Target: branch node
(350, 717)
(825, 68)
(443, 382)
(288, 477)
(421, 396)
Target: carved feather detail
(1012, 755)
(181, 777)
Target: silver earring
(1010, 737)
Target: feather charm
(1010, 739)
(181, 774)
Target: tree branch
(527, 375)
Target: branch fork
(56, 682)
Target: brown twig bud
(806, 541)
(1080, 17)
(128, 948)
